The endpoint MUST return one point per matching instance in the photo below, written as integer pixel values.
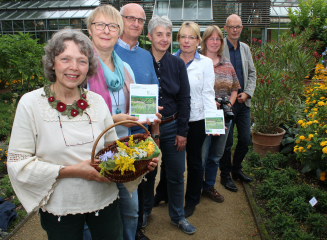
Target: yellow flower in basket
(126, 154)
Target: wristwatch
(155, 136)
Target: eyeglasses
(233, 27)
(133, 19)
(187, 37)
(78, 139)
(101, 26)
(213, 39)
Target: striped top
(225, 78)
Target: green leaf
(287, 149)
(306, 169)
(287, 140)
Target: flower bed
(283, 194)
(311, 142)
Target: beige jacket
(249, 72)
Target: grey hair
(122, 9)
(157, 21)
(56, 45)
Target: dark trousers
(107, 225)
(242, 121)
(195, 169)
(140, 191)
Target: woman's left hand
(152, 165)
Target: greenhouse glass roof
(27, 10)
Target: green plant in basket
(127, 153)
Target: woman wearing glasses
(226, 85)
(112, 82)
(201, 78)
(51, 143)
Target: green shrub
(311, 14)
(6, 187)
(300, 208)
(296, 234)
(268, 189)
(276, 205)
(21, 62)
(321, 197)
(6, 96)
(281, 222)
(317, 223)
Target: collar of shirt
(231, 46)
(196, 55)
(126, 45)
(162, 59)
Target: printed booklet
(214, 120)
(144, 101)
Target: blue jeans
(128, 208)
(174, 164)
(212, 150)
(242, 121)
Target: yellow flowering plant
(125, 155)
(311, 142)
(320, 72)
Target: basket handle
(107, 129)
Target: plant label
(144, 101)
(313, 201)
(214, 120)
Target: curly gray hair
(157, 21)
(56, 45)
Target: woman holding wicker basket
(53, 134)
(112, 82)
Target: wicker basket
(141, 166)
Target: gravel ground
(230, 220)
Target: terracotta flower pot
(308, 81)
(262, 142)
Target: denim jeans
(128, 208)
(212, 151)
(174, 164)
(242, 121)
(195, 169)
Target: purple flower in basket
(107, 155)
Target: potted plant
(280, 71)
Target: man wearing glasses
(240, 56)
(141, 63)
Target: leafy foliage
(20, 62)
(6, 187)
(311, 14)
(288, 214)
(281, 69)
(7, 114)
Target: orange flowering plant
(311, 142)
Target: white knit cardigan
(37, 151)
